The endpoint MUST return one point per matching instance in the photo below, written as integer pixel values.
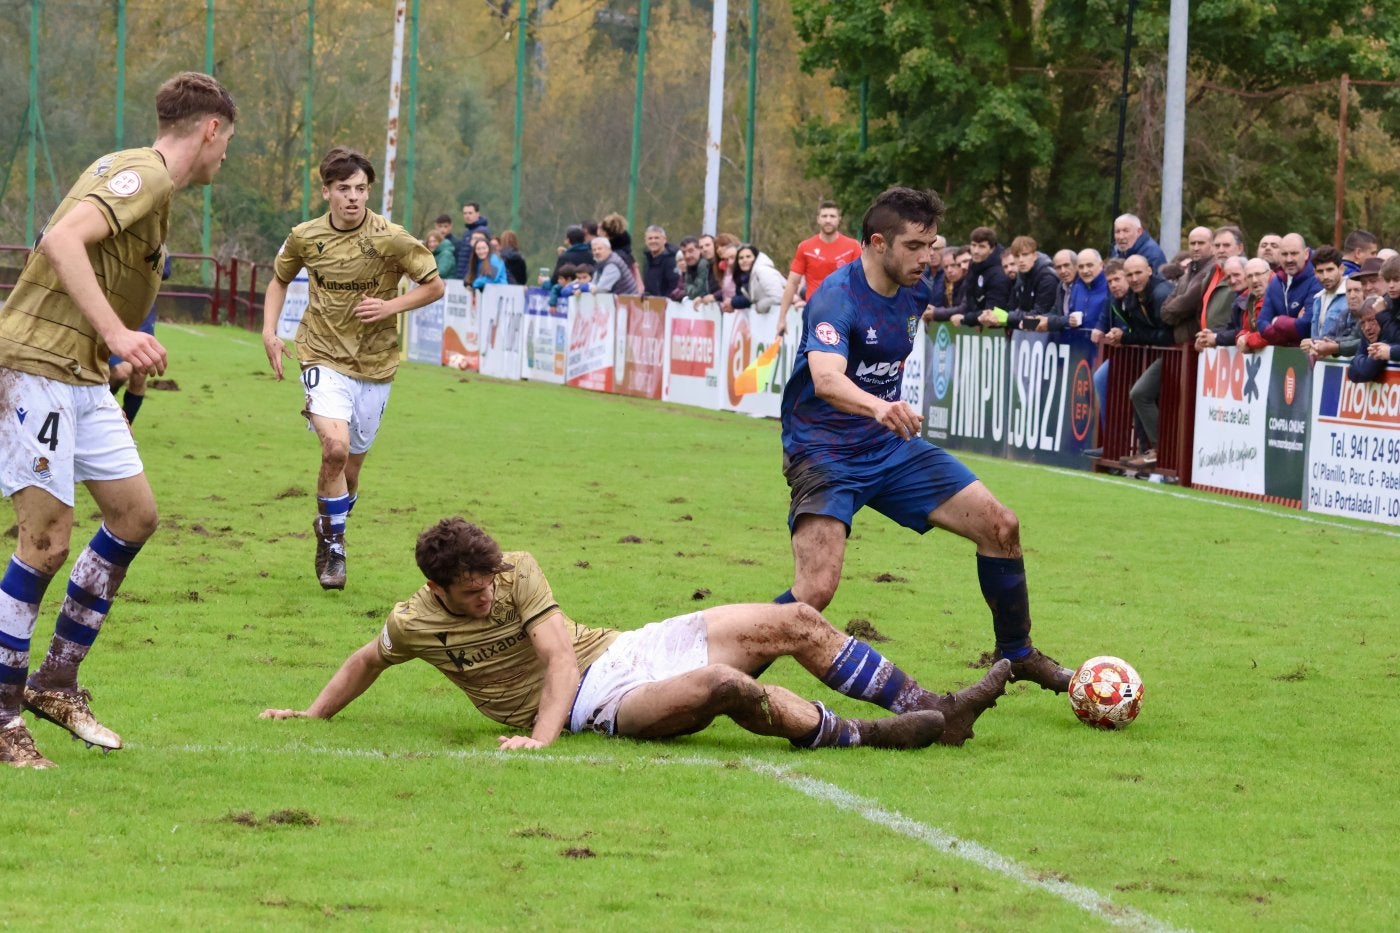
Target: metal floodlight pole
(634, 170)
(1123, 112)
(1174, 130)
(391, 142)
(714, 127)
(516, 149)
(753, 104)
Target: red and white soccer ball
(1106, 693)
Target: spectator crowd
(1332, 303)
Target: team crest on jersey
(125, 183)
(41, 468)
(367, 248)
(827, 334)
(912, 326)
(871, 337)
(103, 166)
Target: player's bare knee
(728, 689)
(806, 620)
(335, 453)
(1004, 530)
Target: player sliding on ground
(849, 440)
(489, 622)
(80, 297)
(348, 342)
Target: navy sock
(784, 598)
(131, 404)
(1003, 582)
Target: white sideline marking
(1086, 899)
(195, 333)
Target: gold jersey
(342, 267)
(491, 660)
(42, 331)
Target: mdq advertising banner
(461, 328)
(589, 364)
(1029, 396)
(639, 360)
(546, 338)
(693, 354)
(502, 330)
(1354, 448)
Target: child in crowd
(563, 276)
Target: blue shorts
(147, 326)
(905, 482)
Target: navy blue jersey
(875, 334)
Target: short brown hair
(342, 162)
(1390, 269)
(983, 235)
(828, 205)
(1112, 266)
(190, 95)
(455, 548)
(895, 208)
(1023, 244)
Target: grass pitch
(1255, 790)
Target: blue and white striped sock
(335, 510)
(21, 592)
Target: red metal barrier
(249, 305)
(5, 287)
(1176, 408)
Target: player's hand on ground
(370, 310)
(275, 349)
(511, 742)
(901, 419)
(142, 351)
(283, 714)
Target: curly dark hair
(455, 548)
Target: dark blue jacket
(1147, 248)
(1289, 297)
(1365, 369)
(1141, 317)
(464, 245)
(986, 286)
(1092, 301)
(1033, 293)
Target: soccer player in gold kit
(347, 343)
(82, 294)
(489, 622)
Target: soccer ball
(1106, 693)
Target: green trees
(1009, 108)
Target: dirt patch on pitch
(291, 817)
(291, 492)
(862, 629)
(890, 578)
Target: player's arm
(65, 246)
(555, 649)
(370, 310)
(794, 281)
(273, 300)
(355, 676)
(834, 387)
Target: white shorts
(55, 434)
(651, 653)
(333, 394)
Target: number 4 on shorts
(48, 431)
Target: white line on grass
(1086, 899)
(194, 333)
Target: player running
(850, 441)
(92, 277)
(348, 342)
(489, 622)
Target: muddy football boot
(70, 710)
(918, 729)
(960, 710)
(1040, 669)
(330, 557)
(17, 747)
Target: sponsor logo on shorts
(124, 184)
(827, 334)
(41, 468)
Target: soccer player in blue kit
(849, 440)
